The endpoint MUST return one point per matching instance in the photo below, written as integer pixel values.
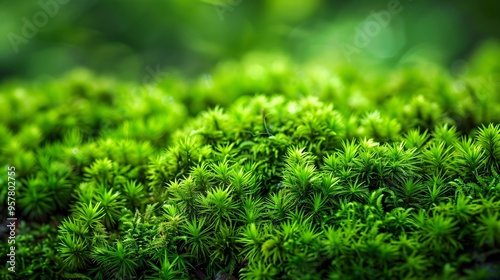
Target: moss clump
(323, 174)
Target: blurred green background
(130, 39)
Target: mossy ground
(261, 170)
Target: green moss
(259, 171)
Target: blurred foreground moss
(261, 169)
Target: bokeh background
(126, 39)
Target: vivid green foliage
(327, 174)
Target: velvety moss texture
(262, 169)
